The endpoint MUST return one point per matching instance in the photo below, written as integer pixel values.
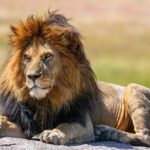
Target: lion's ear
(74, 44)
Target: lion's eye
(27, 58)
(47, 58)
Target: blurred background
(116, 33)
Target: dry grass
(115, 33)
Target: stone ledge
(8, 143)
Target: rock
(8, 143)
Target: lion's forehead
(39, 50)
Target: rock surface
(23, 144)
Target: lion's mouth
(39, 92)
(44, 88)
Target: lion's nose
(34, 77)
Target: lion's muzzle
(33, 77)
(36, 90)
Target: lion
(48, 90)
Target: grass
(122, 72)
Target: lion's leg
(69, 133)
(107, 133)
(9, 129)
(137, 100)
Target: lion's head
(47, 61)
(41, 67)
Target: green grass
(122, 72)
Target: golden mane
(56, 31)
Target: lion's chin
(38, 93)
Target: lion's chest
(35, 116)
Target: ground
(23, 144)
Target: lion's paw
(3, 122)
(54, 136)
(102, 132)
(100, 129)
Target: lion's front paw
(3, 122)
(101, 129)
(102, 132)
(54, 136)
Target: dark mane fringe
(33, 118)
